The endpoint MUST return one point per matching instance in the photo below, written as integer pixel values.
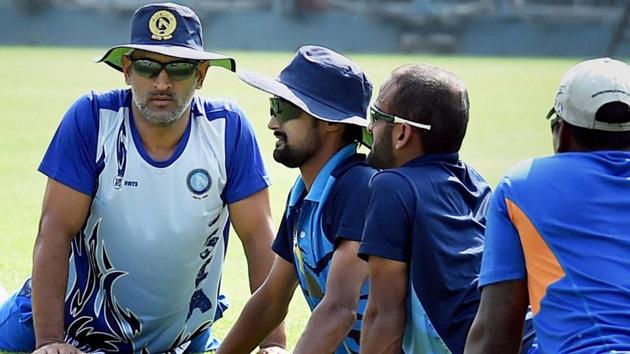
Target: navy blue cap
(168, 29)
(321, 82)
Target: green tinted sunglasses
(377, 114)
(283, 110)
(176, 70)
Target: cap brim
(308, 104)
(113, 56)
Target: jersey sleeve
(389, 213)
(246, 173)
(346, 210)
(502, 258)
(283, 243)
(71, 156)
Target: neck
(310, 169)
(407, 155)
(160, 142)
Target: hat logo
(162, 25)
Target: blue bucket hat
(322, 83)
(168, 29)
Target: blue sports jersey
(562, 223)
(144, 272)
(431, 213)
(316, 220)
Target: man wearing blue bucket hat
(142, 184)
(318, 111)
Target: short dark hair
(434, 96)
(592, 139)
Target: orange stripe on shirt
(543, 268)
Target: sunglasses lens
(282, 110)
(146, 68)
(180, 70)
(376, 115)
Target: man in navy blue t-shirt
(426, 216)
(317, 113)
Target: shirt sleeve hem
(366, 250)
(495, 277)
(281, 255)
(347, 234)
(254, 188)
(65, 180)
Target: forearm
(326, 329)
(498, 325)
(259, 265)
(257, 320)
(482, 339)
(50, 277)
(382, 332)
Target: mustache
(280, 135)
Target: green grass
(509, 99)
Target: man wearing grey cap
(318, 112)
(558, 234)
(142, 184)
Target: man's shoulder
(110, 100)
(354, 168)
(216, 108)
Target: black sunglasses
(283, 110)
(176, 70)
(377, 114)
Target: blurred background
(478, 27)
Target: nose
(370, 126)
(162, 81)
(273, 123)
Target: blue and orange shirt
(315, 221)
(562, 223)
(431, 214)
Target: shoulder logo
(199, 181)
(162, 25)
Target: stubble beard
(382, 155)
(164, 118)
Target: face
(163, 98)
(382, 153)
(298, 139)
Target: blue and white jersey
(430, 213)
(315, 221)
(144, 272)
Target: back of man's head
(593, 100)
(436, 97)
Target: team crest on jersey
(162, 25)
(199, 181)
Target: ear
(403, 134)
(332, 126)
(202, 70)
(126, 68)
(565, 140)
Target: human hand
(272, 350)
(58, 348)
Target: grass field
(509, 99)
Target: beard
(382, 153)
(163, 118)
(297, 155)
